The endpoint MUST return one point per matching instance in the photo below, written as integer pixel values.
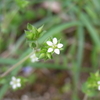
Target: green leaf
(80, 33)
(22, 3)
(29, 36)
(42, 55)
(88, 91)
(27, 32)
(57, 29)
(35, 31)
(7, 61)
(32, 45)
(40, 29)
(29, 26)
(97, 74)
(2, 80)
(92, 31)
(49, 55)
(3, 90)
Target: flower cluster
(15, 82)
(98, 85)
(34, 58)
(92, 84)
(42, 50)
(46, 49)
(50, 47)
(54, 46)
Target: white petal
(98, 82)
(36, 59)
(18, 80)
(49, 43)
(14, 86)
(57, 51)
(32, 56)
(13, 78)
(11, 83)
(33, 60)
(18, 85)
(99, 88)
(60, 45)
(50, 49)
(55, 40)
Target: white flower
(99, 88)
(15, 82)
(34, 58)
(98, 85)
(98, 82)
(54, 46)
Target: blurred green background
(75, 22)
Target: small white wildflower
(54, 46)
(98, 85)
(99, 88)
(98, 82)
(15, 82)
(34, 58)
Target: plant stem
(85, 97)
(14, 66)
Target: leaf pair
(32, 34)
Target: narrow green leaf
(57, 29)
(93, 33)
(29, 26)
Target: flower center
(15, 82)
(54, 46)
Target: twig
(85, 97)
(14, 66)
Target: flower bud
(42, 56)
(29, 26)
(40, 29)
(29, 36)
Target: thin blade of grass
(57, 29)
(93, 33)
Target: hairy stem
(85, 97)
(14, 66)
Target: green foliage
(33, 33)
(77, 24)
(90, 87)
(22, 3)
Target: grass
(82, 26)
